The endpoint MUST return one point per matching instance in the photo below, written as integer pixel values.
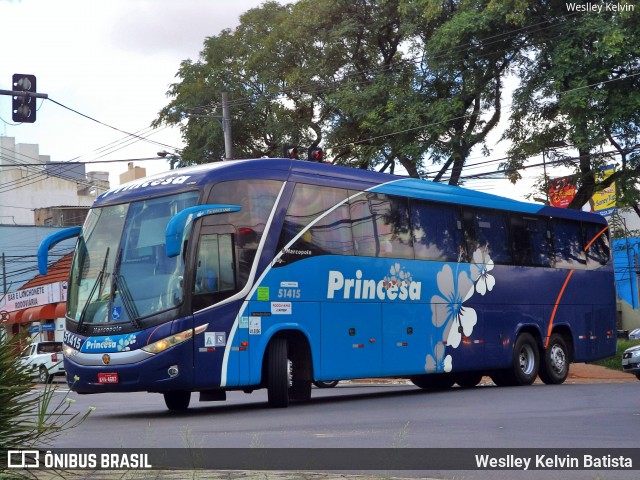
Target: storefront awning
(61, 310)
(36, 314)
(14, 317)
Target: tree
(580, 89)
(378, 82)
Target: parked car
(44, 359)
(635, 334)
(631, 360)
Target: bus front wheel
(526, 360)
(177, 400)
(554, 367)
(278, 373)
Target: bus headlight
(69, 352)
(173, 340)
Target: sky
(112, 60)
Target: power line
(111, 126)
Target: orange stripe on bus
(555, 307)
(596, 237)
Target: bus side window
(597, 241)
(437, 231)
(380, 225)
(330, 234)
(215, 266)
(531, 240)
(487, 230)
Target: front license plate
(107, 378)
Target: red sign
(108, 377)
(561, 191)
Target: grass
(615, 362)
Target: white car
(44, 359)
(635, 334)
(631, 360)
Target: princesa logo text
(398, 285)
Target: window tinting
(380, 225)
(256, 197)
(568, 244)
(331, 234)
(599, 248)
(437, 231)
(488, 230)
(531, 241)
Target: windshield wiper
(97, 283)
(120, 284)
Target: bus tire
(468, 379)
(526, 360)
(554, 366)
(436, 381)
(300, 379)
(278, 374)
(177, 400)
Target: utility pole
(4, 276)
(226, 126)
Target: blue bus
(277, 273)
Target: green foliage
(579, 90)
(374, 82)
(379, 83)
(29, 418)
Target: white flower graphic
(448, 310)
(397, 276)
(480, 268)
(439, 363)
(123, 343)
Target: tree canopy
(416, 83)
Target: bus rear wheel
(525, 363)
(278, 373)
(177, 400)
(554, 367)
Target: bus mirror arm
(182, 221)
(50, 241)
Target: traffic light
(24, 107)
(316, 154)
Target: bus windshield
(121, 249)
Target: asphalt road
(604, 415)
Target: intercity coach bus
(276, 273)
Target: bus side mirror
(50, 241)
(182, 221)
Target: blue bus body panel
(362, 316)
